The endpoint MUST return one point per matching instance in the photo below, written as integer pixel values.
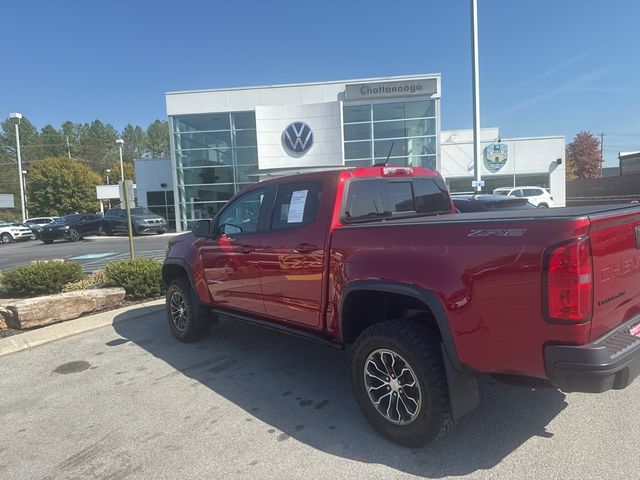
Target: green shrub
(140, 277)
(97, 279)
(42, 277)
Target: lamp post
(24, 182)
(477, 173)
(120, 143)
(18, 117)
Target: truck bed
(561, 213)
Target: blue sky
(546, 67)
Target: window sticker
(296, 208)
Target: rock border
(23, 314)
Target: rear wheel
(47, 242)
(188, 320)
(6, 238)
(400, 383)
(160, 232)
(543, 205)
(74, 234)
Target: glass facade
(161, 203)
(216, 155)
(403, 131)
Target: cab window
(241, 216)
(296, 205)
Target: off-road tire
(420, 347)
(197, 319)
(6, 238)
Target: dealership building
(225, 139)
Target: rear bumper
(610, 362)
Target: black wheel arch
(421, 296)
(173, 268)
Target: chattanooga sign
(405, 88)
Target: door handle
(246, 249)
(305, 248)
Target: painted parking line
(91, 256)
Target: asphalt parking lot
(128, 401)
(92, 252)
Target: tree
(53, 142)
(135, 140)
(57, 186)
(97, 141)
(583, 157)
(30, 144)
(129, 171)
(158, 139)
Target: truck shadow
(303, 391)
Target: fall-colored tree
(583, 157)
(129, 172)
(58, 186)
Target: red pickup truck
(376, 258)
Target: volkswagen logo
(297, 138)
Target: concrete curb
(33, 338)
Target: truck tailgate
(615, 246)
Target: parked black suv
(72, 227)
(142, 220)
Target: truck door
(292, 253)
(230, 257)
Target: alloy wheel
(178, 307)
(392, 386)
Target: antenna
(388, 155)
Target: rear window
(386, 198)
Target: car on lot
(489, 203)
(36, 224)
(142, 221)
(10, 232)
(537, 196)
(376, 259)
(72, 227)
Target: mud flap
(463, 389)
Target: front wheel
(188, 320)
(400, 383)
(6, 238)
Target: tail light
(397, 171)
(568, 288)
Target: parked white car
(10, 232)
(42, 221)
(537, 196)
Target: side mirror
(202, 228)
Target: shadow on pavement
(303, 390)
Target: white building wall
(535, 155)
(151, 173)
(322, 118)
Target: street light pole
(477, 173)
(120, 142)
(18, 116)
